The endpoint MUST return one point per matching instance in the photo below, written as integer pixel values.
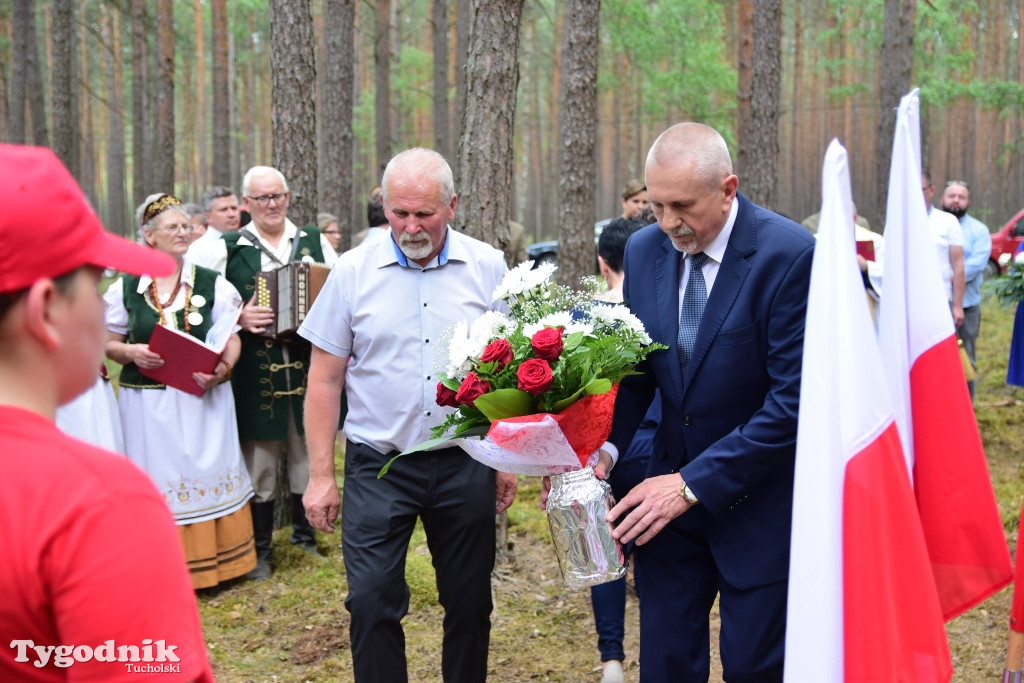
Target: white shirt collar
(716, 250)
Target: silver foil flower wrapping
(587, 553)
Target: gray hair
(697, 142)
(261, 171)
(215, 192)
(424, 165)
(325, 219)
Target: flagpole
(1014, 658)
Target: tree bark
(895, 72)
(439, 21)
(762, 148)
(65, 84)
(382, 82)
(199, 162)
(463, 20)
(141, 169)
(577, 134)
(484, 169)
(293, 81)
(221, 94)
(86, 156)
(744, 85)
(163, 170)
(33, 84)
(22, 24)
(336, 116)
(116, 210)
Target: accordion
(289, 291)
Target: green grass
(295, 627)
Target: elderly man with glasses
(270, 378)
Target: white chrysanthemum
(531, 329)
(579, 326)
(460, 352)
(492, 325)
(1019, 258)
(525, 283)
(612, 317)
(513, 283)
(556, 319)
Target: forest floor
(295, 627)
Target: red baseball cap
(48, 229)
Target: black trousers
(454, 497)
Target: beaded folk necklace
(154, 296)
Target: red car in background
(1005, 241)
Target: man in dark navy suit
(724, 284)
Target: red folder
(866, 248)
(183, 354)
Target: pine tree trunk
(293, 104)
(760, 172)
(439, 22)
(34, 91)
(116, 211)
(65, 84)
(222, 86)
(22, 25)
(382, 82)
(463, 20)
(577, 134)
(744, 85)
(336, 114)
(484, 169)
(140, 110)
(163, 142)
(86, 156)
(895, 71)
(199, 163)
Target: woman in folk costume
(188, 444)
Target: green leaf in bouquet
(502, 403)
(463, 431)
(595, 386)
(598, 386)
(571, 341)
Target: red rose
(472, 388)
(498, 351)
(446, 397)
(535, 375)
(547, 343)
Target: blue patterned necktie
(694, 298)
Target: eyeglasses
(175, 229)
(264, 199)
(958, 182)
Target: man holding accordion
(270, 379)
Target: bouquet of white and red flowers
(539, 384)
(552, 363)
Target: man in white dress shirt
(376, 328)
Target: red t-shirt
(92, 566)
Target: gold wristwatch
(687, 494)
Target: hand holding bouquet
(539, 382)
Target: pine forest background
(545, 109)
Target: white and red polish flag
(862, 605)
(959, 515)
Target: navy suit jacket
(729, 425)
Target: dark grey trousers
(454, 497)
